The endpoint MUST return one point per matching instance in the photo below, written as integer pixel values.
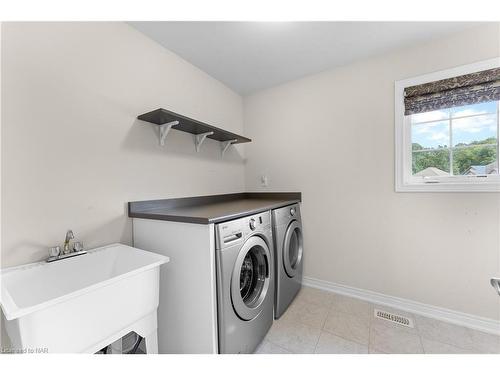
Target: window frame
(404, 179)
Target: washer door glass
(292, 249)
(250, 283)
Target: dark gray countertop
(211, 208)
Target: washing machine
(289, 252)
(245, 282)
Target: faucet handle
(55, 251)
(78, 246)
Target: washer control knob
(292, 211)
(252, 224)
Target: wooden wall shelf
(168, 120)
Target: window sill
(447, 187)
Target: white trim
(435, 312)
(401, 155)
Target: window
(447, 129)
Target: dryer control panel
(230, 232)
(283, 215)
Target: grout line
(317, 341)
(272, 342)
(471, 351)
(447, 343)
(332, 309)
(321, 330)
(417, 329)
(421, 343)
(282, 347)
(370, 329)
(346, 339)
(326, 318)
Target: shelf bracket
(164, 129)
(200, 138)
(225, 145)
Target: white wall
(73, 152)
(331, 136)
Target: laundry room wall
(73, 152)
(331, 136)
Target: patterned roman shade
(471, 88)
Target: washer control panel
(232, 231)
(252, 224)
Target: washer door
(251, 278)
(292, 249)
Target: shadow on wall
(143, 137)
(120, 227)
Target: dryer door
(251, 278)
(292, 248)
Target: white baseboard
(439, 313)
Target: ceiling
(251, 56)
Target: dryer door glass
(292, 249)
(250, 283)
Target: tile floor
(322, 322)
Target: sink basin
(84, 303)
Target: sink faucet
(69, 236)
(55, 252)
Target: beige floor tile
(311, 314)
(446, 333)
(331, 323)
(394, 340)
(351, 327)
(267, 347)
(485, 342)
(293, 336)
(331, 344)
(313, 295)
(436, 347)
(351, 306)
